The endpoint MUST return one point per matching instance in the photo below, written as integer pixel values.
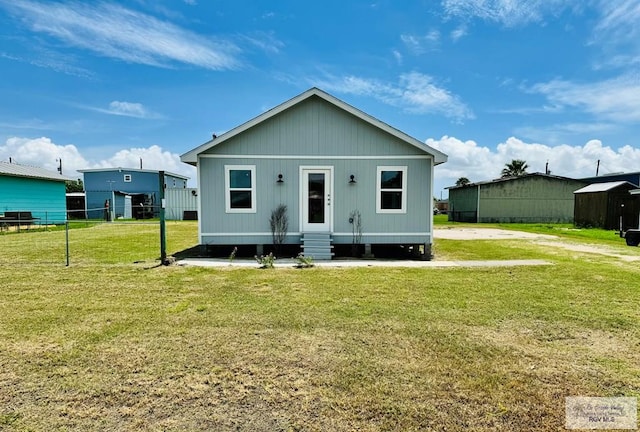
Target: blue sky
(101, 84)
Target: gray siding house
(324, 160)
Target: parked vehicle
(632, 237)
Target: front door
(317, 188)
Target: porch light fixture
(352, 179)
(280, 180)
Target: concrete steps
(317, 246)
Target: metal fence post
(66, 229)
(163, 233)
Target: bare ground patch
(629, 254)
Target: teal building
(31, 189)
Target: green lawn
(119, 345)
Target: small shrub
(232, 256)
(303, 261)
(279, 223)
(265, 261)
(355, 219)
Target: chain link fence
(65, 239)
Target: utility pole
(598, 168)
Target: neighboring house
(532, 197)
(442, 205)
(324, 160)
(608, 205)
(36, 190)
(126, 192)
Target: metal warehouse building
(531, 198)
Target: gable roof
(602, 187)
(191, 157)
(17, 170)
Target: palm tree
(462, 181)
(515, 168)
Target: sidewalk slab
(290, 263)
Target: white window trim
(127, 178)
(379, 190)
(227, 188)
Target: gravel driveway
(485, 234)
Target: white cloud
(114, 31)
(616, 99)
(153, 157)
(419, 44)
(478, 163)
(458, 33)
(265, 41)
(617, 32)
(415, 93)
(421, 95)
(619, 21)
(44, 153)
(398, 56)
(126, 109)
(509, 13)
(48, 59)
(130, 109)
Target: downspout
(199, 197)
(433, 168)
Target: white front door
(316, 194)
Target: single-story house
(532, 198)
(442, 205)
(344, 176)
(27, 189)
(127, 192)
(607, 205)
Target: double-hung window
(391, 189)
(240, 188)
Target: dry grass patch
(121, 347)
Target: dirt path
(485, 234)
(624, 252)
